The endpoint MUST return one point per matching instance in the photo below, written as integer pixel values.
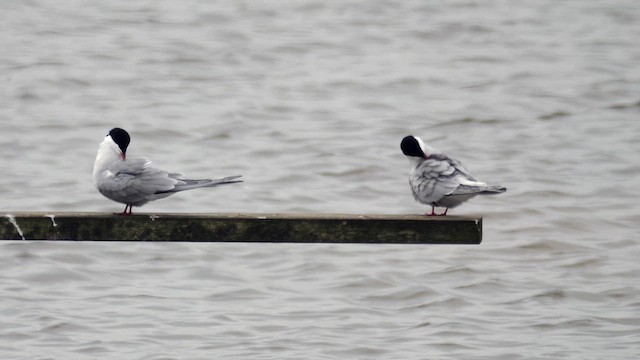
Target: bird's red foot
(125, 213)
(433, 212)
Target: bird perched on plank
(134, 182)
(438, 180)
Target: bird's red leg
(124, 213)
(433, 211)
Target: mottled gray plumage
(438, 180)
(134, 182)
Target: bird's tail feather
(481, 190)
(188, 184)
(225, 180)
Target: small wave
(625, 106)
(554, 115)
(471, 120)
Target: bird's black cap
(411, 147)
(121, 137)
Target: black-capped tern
(438, 180)
(134, 182)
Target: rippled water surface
(308, 100)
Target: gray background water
(309, 100)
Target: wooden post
(277, 228)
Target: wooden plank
(277, 228)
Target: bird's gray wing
(432, 180)
(134, 180)
(461, 173)
(457, 165)
(441, 175)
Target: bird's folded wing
(435, 179)
(136, 178)
(457, 165)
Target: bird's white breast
(108, 153)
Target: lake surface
(309, 100)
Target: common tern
(438, 180)
(134, 182)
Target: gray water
(308, 100)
